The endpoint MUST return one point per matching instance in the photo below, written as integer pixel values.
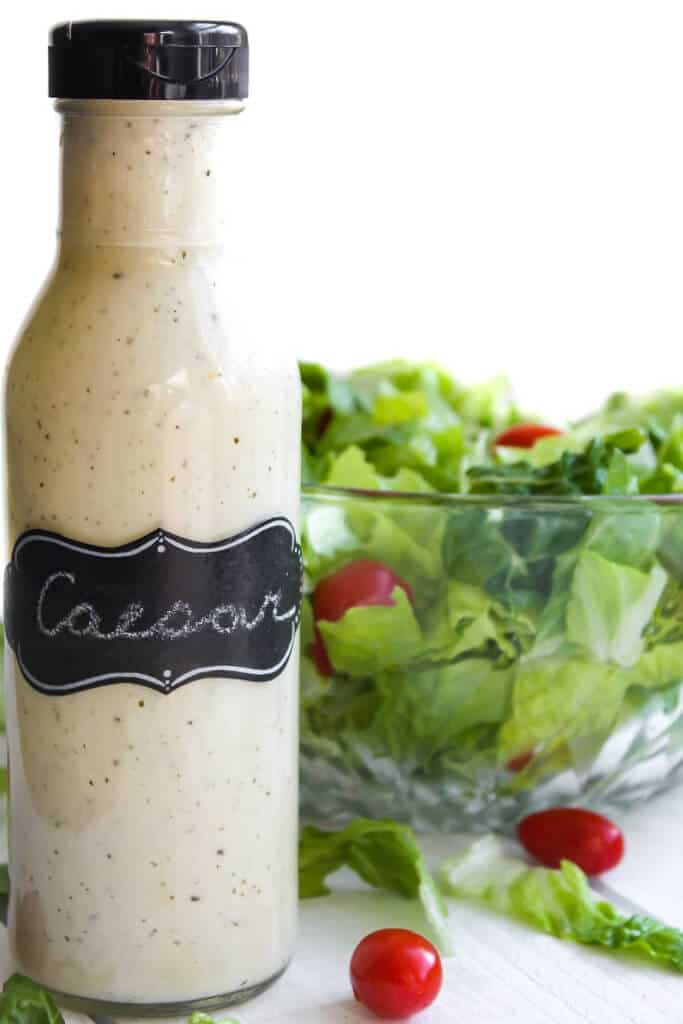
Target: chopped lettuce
(24, 1002)
(373, 639)
(204, 1018)
(601, 467)
(402, 416)
(547, 601)
(556, 701)
(385, 855)
(415, 416)
(610, 606)
(423, 718)
(556, 901)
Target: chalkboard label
(160, 611)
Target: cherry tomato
(519, 763)
(320, 655)
(357, 585)
(395, 972)
(592, 842)
(323, 423)
(525, 435)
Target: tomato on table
(395, 972)
(357, 585)
(589, 840)
(525, 435)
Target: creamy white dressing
(153, 837)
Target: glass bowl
(520, 653)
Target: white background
(495, 184)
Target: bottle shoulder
(152, 321)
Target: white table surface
(502, 972)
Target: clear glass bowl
(532, 655)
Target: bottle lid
(149, 60)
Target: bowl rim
(623, 501)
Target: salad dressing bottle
(153, 588)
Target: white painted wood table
(502, 973)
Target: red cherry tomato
(519, 763)
(320, 655)
(357, 585)
(592, 842)
(323, 423)
(395, 972)
(525, 435)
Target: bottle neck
(145, 173)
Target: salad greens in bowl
(493, 616)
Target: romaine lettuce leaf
(205, 1018)
(567, 613)
(556, 901)
(385, 855)
(422, 716)
(406, 537)
(592, 470)
(474, 550)
(610, 606)
(629, 536)
(24, 1002)
(374, 638)
(403, 416)
(659, 667)
(555, 700)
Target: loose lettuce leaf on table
(385, 855)
(556, 901)
(204, 1018)
(24, 1002)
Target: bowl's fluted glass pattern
(535, 657)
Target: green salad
(509, 627)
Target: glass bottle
(153, 587)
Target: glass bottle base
(103, 1008)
